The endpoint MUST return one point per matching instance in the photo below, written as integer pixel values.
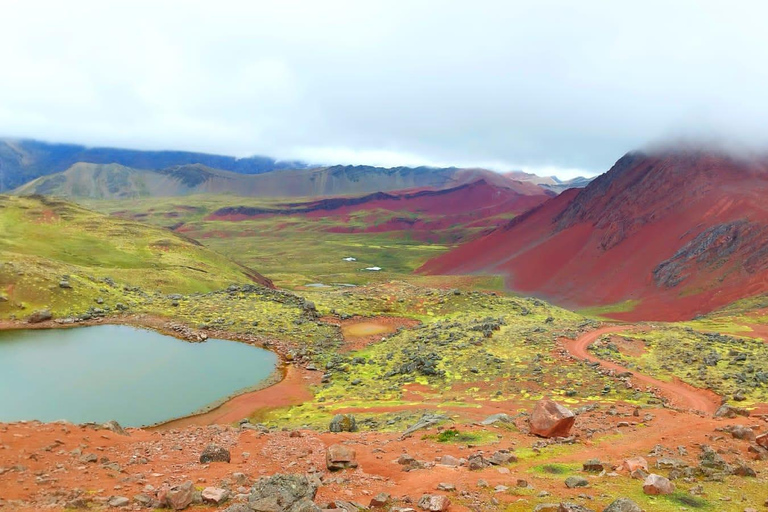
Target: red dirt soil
(698, 220)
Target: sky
(562, 88)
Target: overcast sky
(550, 87)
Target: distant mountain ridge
(115, 181)
(22, 160)
(552, 183)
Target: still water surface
(135, 376)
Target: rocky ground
(694, 461)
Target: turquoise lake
(114, 372)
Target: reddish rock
(215, 495)
(635, 463)
(657, 484)
(380, 500)
(762, 441)
(550, 419)
(178, 497)
(339, 457)
(434, 503)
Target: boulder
(477, 461)
(343, 423)
(214, 453)
(744, 470)
(623, 505)
(338, 457)
(729, 411)
(283, 493)
(449, 460)
(434, 503)
(380, 500)
(215, 495)
(40, 316)
(576, 481)
(635, 463)
(502, 457)
(593, 466)
(742, 432)
(178, 497)
(118, 501)
(656, 484)
(762, 441)
(550, 419)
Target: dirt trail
(679, 393)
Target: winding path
(678, 393)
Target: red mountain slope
(474, 205)
(681, 232)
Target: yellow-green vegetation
(452, 435)
(732, 366)
(472, 348)
(296, 250)
(601, 311)
(60, 256)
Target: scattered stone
(89, 458)
(657, 484)
(118, 501)
(576, 481)
(449, 460)
(729, 411)
(339, 457)
(214, 453)
(742, 432)
(380, 500)
(426, 421)
(477, 461)
(434, 503)
(634, 463)
(502, 457)
(547, 507)
(497, 418)
(40, 316)
(593, 465)
(178, 497)
(744, 470)
(623, 505)
(283, 493)
(550, 419)
(215, 495)
(115, 427)
(762, 441)
(145, 500)
(573, 507)
(65, 285)
(343, 423)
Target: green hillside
(60, 256)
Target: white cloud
(557, 86)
